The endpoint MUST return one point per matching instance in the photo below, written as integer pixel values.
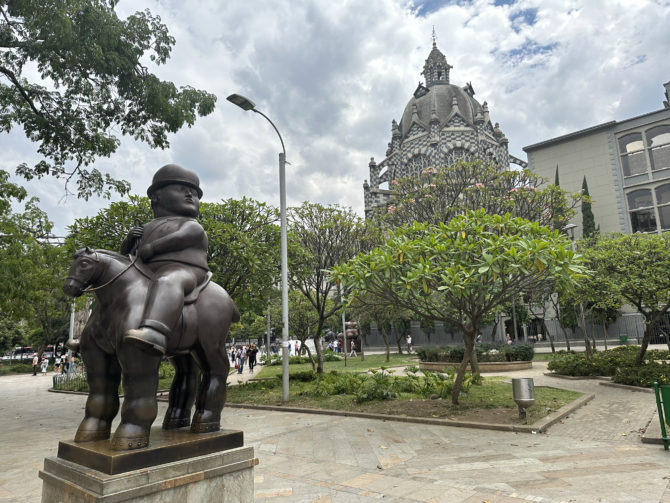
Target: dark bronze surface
(166, 446)
(140, 315)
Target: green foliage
(320, 238)
(618, 363)
(459, 272)
(243, 243)
(645, 375)
(631, 269)
(31, 275)
(107, 229)
(166, 371)
(94, 86)
(485, 353)
(588, 221)
(16, 368)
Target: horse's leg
(182, 392)
(215, 365)
(139, 409)
(103, 374)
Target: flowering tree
(459, 272)
(438, 195)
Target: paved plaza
(593, 455)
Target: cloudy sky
(332, 76)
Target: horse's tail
(236, 312)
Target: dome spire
(436, 69)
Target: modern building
(442, 123)
(626, 165)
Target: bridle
(90, 278)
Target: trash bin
(523, 392)
(623, 339)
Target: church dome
(439, 101)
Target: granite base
(226, 476)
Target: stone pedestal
(224, 476)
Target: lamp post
(246, 104)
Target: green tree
(460, 271)
(323, 237)
(438, 195)
(31, 275)
(588, 221)
(635, 269)
(94, 86)
(303, 319)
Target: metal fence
(629, 325)
(74, 381)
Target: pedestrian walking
(45, 364)
(408, 339)
(251, 355)
(240, 359)
(35, 363)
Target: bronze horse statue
(197, 348)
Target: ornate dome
(440, 102)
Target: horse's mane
(113, 254)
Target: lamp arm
(275, 128)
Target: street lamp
(246, 104)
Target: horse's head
(85, 269)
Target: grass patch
(490, 402)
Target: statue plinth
(177, 466)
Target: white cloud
(332, 76)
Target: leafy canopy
(93, 85)
(438, 195)
(460, 271)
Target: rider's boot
(147, 339)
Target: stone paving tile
(317, 458)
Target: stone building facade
(442, 123)
(626, 165)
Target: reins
(89, 289)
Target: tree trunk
(361, 338)
(319, 352)
(565, 335)
(548, 336)
(309, 354)
(495, 329)
(469, 340)
(387, 341)
(474, 361)
(605, 331)
(651, 322)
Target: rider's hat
(172, 173)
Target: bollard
(523, 390)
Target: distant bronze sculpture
(156, 301)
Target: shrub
(485, 353)
(573, 364)
(17, 368)
(166, 371)
(378, 386)
(303, 376)
(644, 375)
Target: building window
(642, 215)
(416, 164)
(631, 148)
(658, 141)
(663, 202)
